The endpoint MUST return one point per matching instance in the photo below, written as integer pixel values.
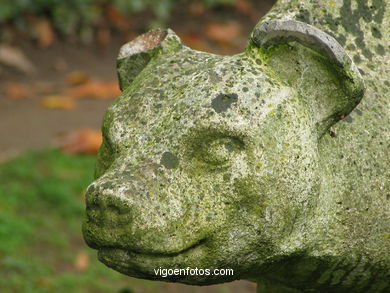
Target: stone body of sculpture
(242, 161)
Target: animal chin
(142, 264)
(115, 254)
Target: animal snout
(106, 209)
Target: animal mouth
(106, 250)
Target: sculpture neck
(323, 274)
(361, 27)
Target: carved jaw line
(141, 263)
(155, 254)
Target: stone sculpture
(242, 161)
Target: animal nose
(104, 209)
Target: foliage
(80, 16)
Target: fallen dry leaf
(244, 7)
(115, 17)
(43, 87)
(77, 77)
(103, 37)
(82, 262)
(223, 33)
(15, 90)
(15, 58)
(96, 90)
(44, 31)
(82, 141)
(60, 65)
(197, 8)
(58, 102)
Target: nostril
(106, 211)
(92, 197)
(118, 208)
(94, 202)
(94, 213)
(113, 208)
(91, 188)
(117, 213)
(94, 206)
(103, 208)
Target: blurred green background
(83, 17)
(57, 77)
(68, 15)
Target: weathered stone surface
(241, 161)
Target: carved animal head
(211, 161)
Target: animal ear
(135, 55)
(312, 62)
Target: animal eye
(220, 150)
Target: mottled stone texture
(264, 162)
